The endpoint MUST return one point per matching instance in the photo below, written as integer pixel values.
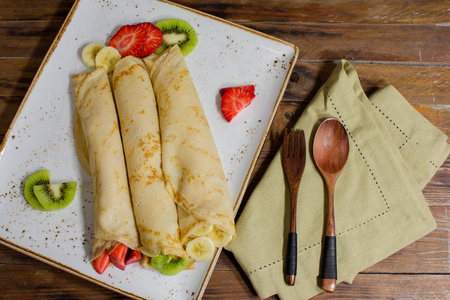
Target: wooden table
(403, 43)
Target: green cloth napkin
(379, 206)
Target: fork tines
(294, 143)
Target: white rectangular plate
(41, 135)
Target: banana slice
(107, 57)
(204, 230)
(89, 53)
(219, 237)
(201, 248)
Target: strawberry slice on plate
(153, 39)
(118, 256)
(234, 100)
(129, 40)
(133, 256)
(101, 262)
(250, 88)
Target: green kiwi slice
(170, 264)
(55, 196)
(175, 31)
(41, 177)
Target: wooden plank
(424, 86)
(389, 286)
(437, 190)
(426, 255)
(39, 277)
(418, 84)
(9, 256)
(347, 11)
(13, 10)
(16, 76)
(40, 282)
(25, 39)
(46, 282)
(8, 109)
(370, 43)
(379, 286)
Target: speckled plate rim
(247, 177)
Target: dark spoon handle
(329, 268)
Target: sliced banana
(201, 248)
(107, 57)
(219, 237)
(204, 230)
(89, 53)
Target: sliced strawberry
(235, 100)
(153, 39)
(249, 88)
(101, 262)
(133, 256)
(118, 256)
(129, 40)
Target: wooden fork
(293, 158)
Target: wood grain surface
(398, 42)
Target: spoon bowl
(330, 151)
(331, 147)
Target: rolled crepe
(113, 213)
(80, 142)
(154, 208)
(192, 169)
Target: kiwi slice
(170, 264)
(55, 195)
(41, 177)
(175, 31)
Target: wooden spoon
(330, 152)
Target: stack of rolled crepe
(177, 184)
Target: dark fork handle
(291, 259)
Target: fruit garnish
(133, 256)
(89, 53)
(204, 230)
(101, 262)
(118, 256)
(153, 39)
(201, 248)
(249, 88)
(170, 264)
(219, 237)
(129, 40)
(175, 31)
(38, 178)
(107, 57)
(54, 196)
(235, 100)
